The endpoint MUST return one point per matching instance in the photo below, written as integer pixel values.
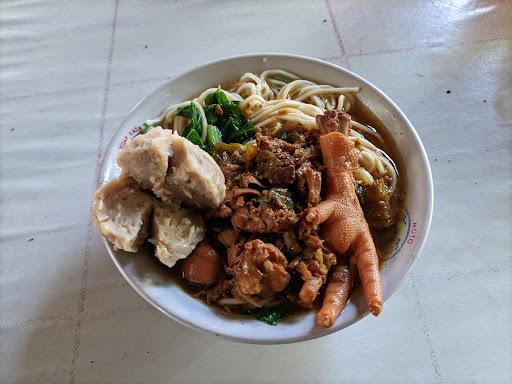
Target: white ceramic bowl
(151, 279)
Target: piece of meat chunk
(276, 169)
(234, 244)
(228, 237)
(285, 172)
(122, 213)
(176, 232)
(203, 266)
(272, 210)
(334, 121)
(263, 219)
(314, 182)
(261, 270)
(229, 169)
(313, 280)
(220, 290)
(274, 160)
(274, 144)
(174, 169)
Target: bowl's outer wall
(151, 279)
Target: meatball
(122, 213)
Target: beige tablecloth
(70, 71)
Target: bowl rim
(429, 196)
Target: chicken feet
(344, 227)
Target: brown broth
(386, 238)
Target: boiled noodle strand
(269, 77)
(299, 91)
(204, 122)
(278, 97)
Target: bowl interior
(151, 279)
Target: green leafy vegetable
(246, 133)
(213, 136)
(192, 112)
(209, 112)
(226, 115)
(210, 99)
(185, 111)
(145, 128)
(187, 130)
(194, 137)
(225, 122)
(271, 316)
(217, 97)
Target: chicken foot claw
(336, 296)
(343, 225)
(367, 263)
(321, 212)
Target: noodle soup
(276, 108)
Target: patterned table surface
(71, 70)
